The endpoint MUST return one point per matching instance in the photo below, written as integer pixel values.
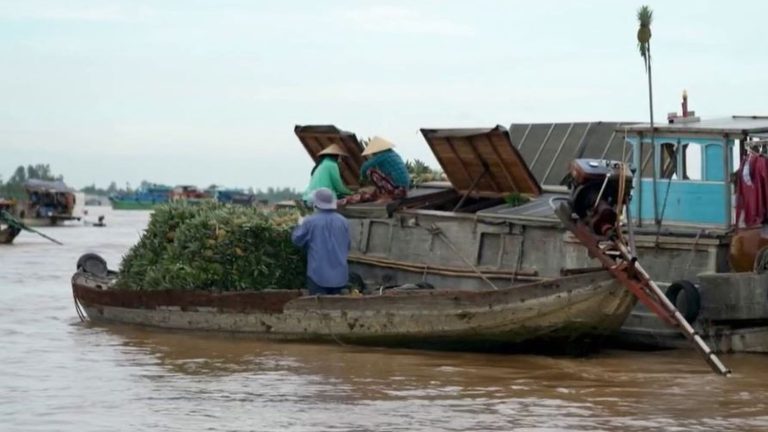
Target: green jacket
(326, 175)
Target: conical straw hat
(333, 149)
(377, 144)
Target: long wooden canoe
(571, 308)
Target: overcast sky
(208, 92)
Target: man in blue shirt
(325, 237)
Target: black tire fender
(92, 263)
(692, 298)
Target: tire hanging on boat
(692, 298)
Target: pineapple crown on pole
(644, 18)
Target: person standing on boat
(385, 170)
(326, 174)
(325, 237)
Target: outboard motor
(595, 187)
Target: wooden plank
(509, 177)
(490, 175)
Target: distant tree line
(14, 186)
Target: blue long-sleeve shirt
(390, 164)
(325, 236)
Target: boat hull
(134, 205)
(8, 234)
(732, 317)
(574, 308)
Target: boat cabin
(687, 168)
(51, 201)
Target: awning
(315, 138)
(481, 161)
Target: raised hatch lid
(315, 138)
(465, 154)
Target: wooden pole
(653, 138)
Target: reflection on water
(59, 374)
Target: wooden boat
(49, 203)
(8, 230)
(452, 232)
(8, 233)
(574, 308)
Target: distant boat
(234, 196)
(189, 193)
(146, 197)
(49, 203)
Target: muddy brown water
(58, 374)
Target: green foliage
(215, 247)
(515, 199)
(420, 172)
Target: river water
(58, 374)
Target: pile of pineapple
(215, 247)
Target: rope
(519, 263)
(693, 249)
(434, 229)
(328, 324)
(79, 311)
(666, 195)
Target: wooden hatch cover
(482, 161)
(315, 138)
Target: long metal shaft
(689, 332)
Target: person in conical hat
(326, 174)
(385, 169)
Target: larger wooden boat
(451, 233)
(573, 308)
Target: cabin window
(692, 163)
(668, 161)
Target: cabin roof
(315, 138)
(482, 161)
(734, 125)
(47, 186)
(548, 148)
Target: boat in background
(8, 229)
(234, 196)
(146, 197)
(190, 194)
(49, 203)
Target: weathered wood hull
(573, 308)
(8, 234)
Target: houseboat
(49, 203)
(469, 232)
(685, 205)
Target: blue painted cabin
(693, 164)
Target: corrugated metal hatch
(482, 161)
(548, 148)
(315, 138)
